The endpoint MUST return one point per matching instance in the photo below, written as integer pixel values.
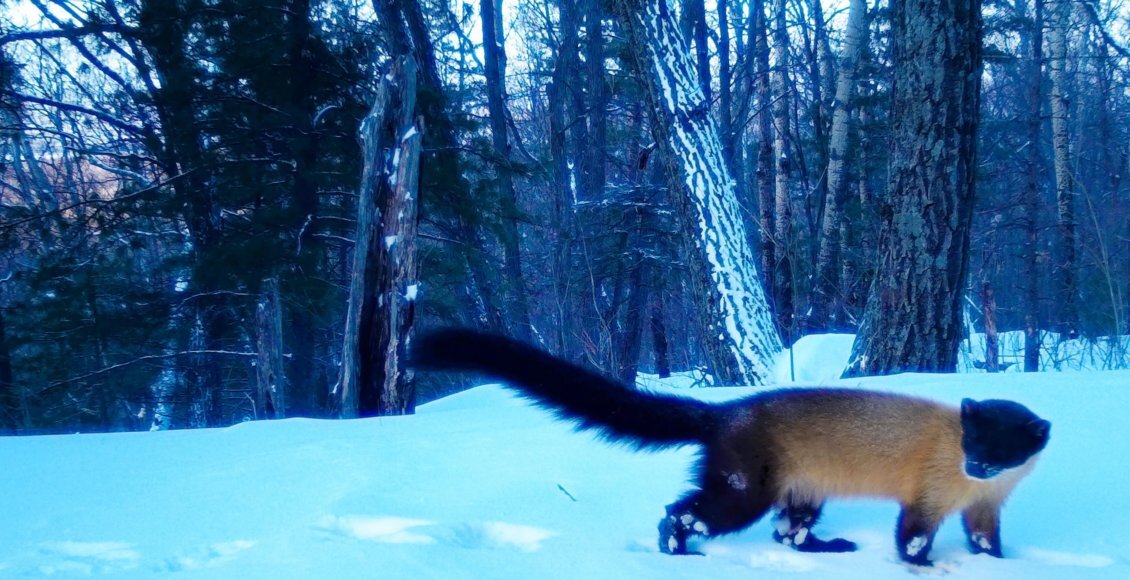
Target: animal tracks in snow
(386, 530)
(398, 530)
(501, 535)
(109, 558)
(87, 557)
(207, 556)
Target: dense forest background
(180, 185)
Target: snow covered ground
(479, 485)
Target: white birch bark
(828, 257)
(783, 214)
(1061, 145)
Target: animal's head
(999, 435)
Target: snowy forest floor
(480, 485)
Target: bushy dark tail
(615, 411)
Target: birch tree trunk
(913, 317)
(822, 79)
(374, 378)
(825, 311)
(783, 215)
(759, 28)
(1068, 315)
(739, 337)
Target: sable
(787, 449)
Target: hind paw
(803, 541)
(672, 539)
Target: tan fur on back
(828, 442)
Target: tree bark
(725, 92)
(9, 399)
(270, 395)
(992, 342)
(627, 341)
(374, 377)
(564, 67)
(694, 13)
(659, 336)
(913, 318)
(596, 148)
(857, 269)
(738, 333)
(494, 55)
(823, 82)
(783, 303)
(1068, 315)
(442, 175)
(759, 28)
(1031, 200)
(825, 311)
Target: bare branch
(70, 33)
(105, 118)
(138, 193)
(149, 357)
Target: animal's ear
(968, 407)
(1040, 428)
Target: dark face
(999, 435)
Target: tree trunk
(858, 267)
(694, 15)
(725, 93)
(825, 311)
(596, 148)
(989, 313)
(783, 214)
(564, 67)
(913, 318)
(822, 80)
(374, 379)
(270, 395)
(9, 399)
(442, 175)
(627, 341)
(1068, 315)
(494, 54)
(1031, 200)
(765, 170)
(659, 336)
(738, 333)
